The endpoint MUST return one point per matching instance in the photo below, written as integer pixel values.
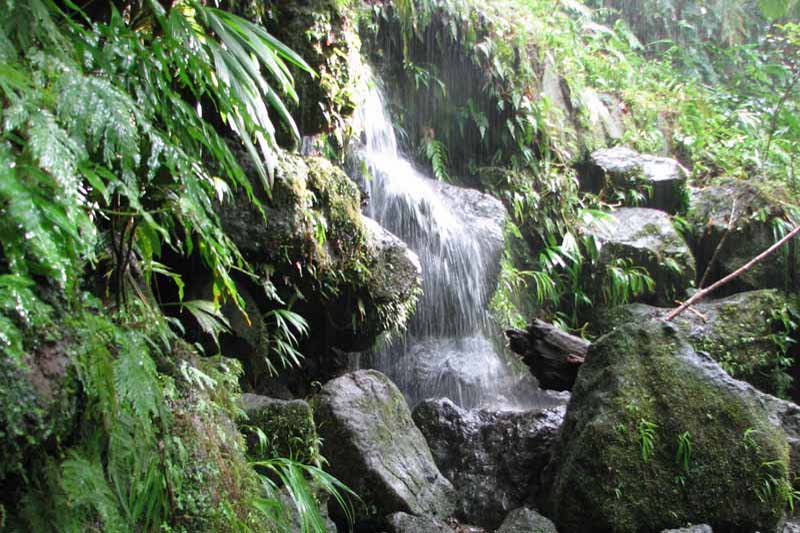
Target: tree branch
(733, 275)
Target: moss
(38, 401)
(746, 333)
(287, 427)
(218, 485)
(323, 33)
(637, 378)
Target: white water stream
(447, 351)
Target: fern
(301, 481)
(436, 153)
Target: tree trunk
(552, 355)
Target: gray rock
(494, 459)
(373, 446)
(702, 528)
(395, 275)
(406, 523)
(791, 526)
(736, 331)
(647, 239)
(525, 520)
(642, 392)
(662, 181)
(758, 209)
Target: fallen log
(552, 355)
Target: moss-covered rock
(622, 174)
(758, 214)
(654, 439)
(634, 237)
(287, 425)
(39, 397)
(218, 486)
(745, 333)
(357, 280)
(324, 33)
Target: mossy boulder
(758, 215)
(633, 237)
(622, 174)
(745, 333)
(356, 279)
(373, 446)
(217, 483)
(288, 426)
(655, 438)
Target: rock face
(373, 446)
(406, 523)
(623, 463)
(645, 238)
(289, 425)
(741, 332)
(757, 211)
(702, 528)
(524, 520)
(494, 459)
(660, 180)
(39, 399)
(314, 239)
(326, 37)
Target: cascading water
(457, 234)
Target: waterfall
(457, 233)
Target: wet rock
(406, 523)
(641, 393)
(357, 279)
(644, 238)
(289, 426)
(525, 520)
(373, 446)
(494, 459)
(394, 282)
(758, 212)
(739, 332)
(468, 370)
(659, 180)
(702, 528)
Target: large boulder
(357, 279)
(525, 520)
(373, 446)
(756, 213)
(657, 436)
(494, 459)
(660, 182)
(745, 333)
(644, 238)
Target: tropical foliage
(118, 122)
